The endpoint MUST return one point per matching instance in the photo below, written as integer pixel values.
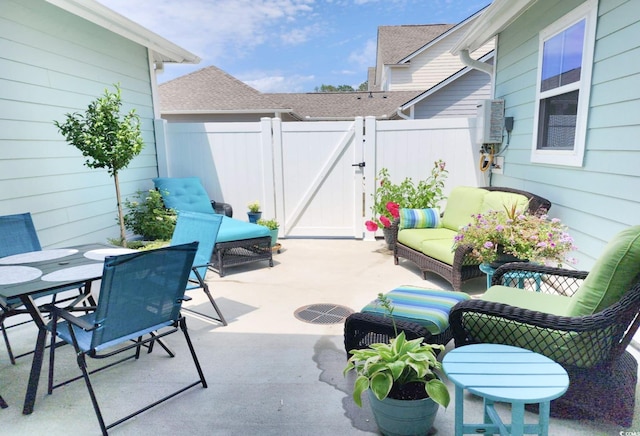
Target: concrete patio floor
(268, 372)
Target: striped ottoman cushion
(428, 307)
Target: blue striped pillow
(419, 218)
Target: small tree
(106, 140)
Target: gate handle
(359, 165)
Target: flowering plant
(523, 235)
(390, 197)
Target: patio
(268, 372)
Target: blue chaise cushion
(184, 193)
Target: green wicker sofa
(430, 248)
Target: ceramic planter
(254, 216)
(403, 417)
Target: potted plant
(146, 216)
(254, 211)
(273, 227)
(105, 139)
(404, 391)
(510, 235)
(389, 197)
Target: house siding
(53, 63)
(459, 100)
(600, 198)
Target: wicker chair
(464, 267)
(592, 348)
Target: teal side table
(520, 276)
(502, 373)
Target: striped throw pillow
(419, 218)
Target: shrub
(148, 217)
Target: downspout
(470, 62)
(401, 114)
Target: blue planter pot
(254, 216)
(403, 417)
(274, 236)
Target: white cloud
(365, 57)
(279, 83)
(225, 27)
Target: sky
(285, 45)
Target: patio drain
(323, 313)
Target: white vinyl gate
(315, 178)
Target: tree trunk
(123, 239)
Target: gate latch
(359, 165)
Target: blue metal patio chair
(201, 227)
(18, 235)
(141, 293)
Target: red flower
(394, 209)
(371, 226)
(385, 221)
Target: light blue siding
(601, 197)
(53, 63)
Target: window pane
(557, 122)
(562, 57)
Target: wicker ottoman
(419, 312)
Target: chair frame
(13, 308)
(178, 324)
(605, 334)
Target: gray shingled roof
(211, 89)
(343, 105)
(397, 42)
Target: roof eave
(94, 12)
(494, 19)
(222, 111)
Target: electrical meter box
(490, 121)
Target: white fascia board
(494, 19)
(442, 36)
(94, 12)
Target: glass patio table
(26, 274)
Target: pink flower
(371, 226)
(385, 221)
(394, 209)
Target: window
(562, 93)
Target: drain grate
(323, 313)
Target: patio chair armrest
(585, 341)
(222, 208)
(557, 280)
(58, 312)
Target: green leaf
(361, 384)
(381, 384)
(438, 392)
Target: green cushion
(419, 218)
(439, 249)
(538, 301)
(428, 307)
(497, 200)
(414, 237)
(612, 275)
(463, 202)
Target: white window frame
(588, 11)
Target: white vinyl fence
(315, 178)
